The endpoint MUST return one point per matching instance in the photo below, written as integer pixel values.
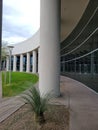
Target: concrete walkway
(83, 104)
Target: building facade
(66, 44)
(79, 51)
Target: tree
(4, 52)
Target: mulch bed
(57, 118)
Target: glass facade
(17, 63)
(31, 61)
(11, 62)
(24, 62)
(79, 53)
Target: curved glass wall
(79, 56)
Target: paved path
(9, 106)
(83, 104)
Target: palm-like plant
(38, 103)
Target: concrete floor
(83, 105)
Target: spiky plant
(38, 103)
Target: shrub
(39, 104)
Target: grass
(19, 82)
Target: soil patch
(57, 118)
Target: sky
(21, 19)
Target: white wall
(27, 45)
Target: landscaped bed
(57, 118)
(19, 83)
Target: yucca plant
(38, 103)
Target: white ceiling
(71, 12)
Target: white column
(49, 72)
(28, 63)
(14, 63)
(7, 63)
(34, 61)
(21, 63)
(38, 58)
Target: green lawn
(19, 83)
